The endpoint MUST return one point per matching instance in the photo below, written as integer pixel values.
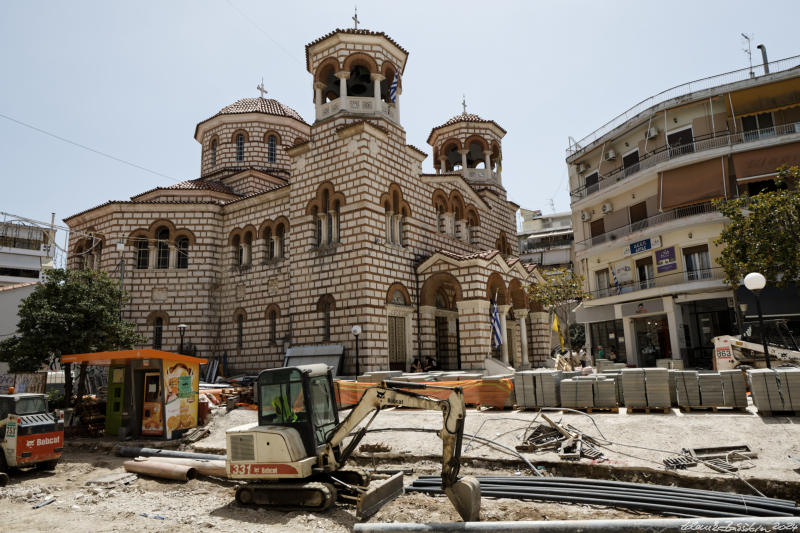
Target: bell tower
(356, 72)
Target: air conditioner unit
(606, 208)
(582, 167)
(652, 133)
(611, 155)
(586, 216)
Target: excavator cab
(301, 398)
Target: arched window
(213, 152)
(158, 331)
(324, 210)
(142, 253)
(240, 147)
(238, 251)
(269, 243)
(239, 331)
(247, 249)
(162, 248)
(317, 227)
(272, 144)
(273, 326)
(326, 199)
(325, 307)
(182, 248)
(280, 231)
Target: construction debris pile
(667, 500)
(570, 443)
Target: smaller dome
(268, 106)
(463, 117)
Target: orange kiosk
(150, 392)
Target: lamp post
(182, 331)
(356, 331)
(754, 282)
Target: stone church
(296, 232)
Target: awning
(765, 98)
(550, 234)
(105, 358)
(765, 161)
(29, 262)
(600, 313)
(692, 184)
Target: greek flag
(616, 283)
(497, 337)
(393, 87)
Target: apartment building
(645, 226)
(545, 240)
(25, 251)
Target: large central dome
(267, 106)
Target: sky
(132, 79)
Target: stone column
(540, 337)
(464, 160)
(443, 167)
(487, 159)
(427, 331)
(318, 86)
(376, 84)
(323, 238)
(343, 76)
(523, 336)
(397, 225)
(276, 244)
(503, 311)
(475, 332)
(450, 223)
(674, 323)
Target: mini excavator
(294, 457)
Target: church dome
(268, 106)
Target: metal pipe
(204, 467)
(612, 483)
(611, 499)
(623, 485)
(156, 468)
(132, 451)
(662, 525)
(764, 57)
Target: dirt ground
(208, 503)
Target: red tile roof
(352, 32)
(268, 106)
(486, 254)
(464, 117)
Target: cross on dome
(464, 103)
(261, 88)
(355, 18)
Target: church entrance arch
(440, 294)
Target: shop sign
(665, 260)
(623, 272)
(642, 307)
(641, 246)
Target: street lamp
(356, 331)
(182, 331)
(754, 282)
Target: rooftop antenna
(355, 18)
(748, 37)
(464, 103)
(552, 205)
(261, 88)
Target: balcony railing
(479, 174)
(661, 280)
(356, 105)
(666, 153)
(679, 91)
(666, 216)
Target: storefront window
(609, 335)
(652, 339)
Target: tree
(762, 235)
(72, 311)
(561, 290)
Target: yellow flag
(556, 328)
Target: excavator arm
(464, 493)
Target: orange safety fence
(492, 393)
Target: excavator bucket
(370, 502)
(465, 495)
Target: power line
(90, 149)
(259, 28)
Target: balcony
(668, 153)
(677, 94)
(666, 216)
(480, 175)
(662, 280)
(357, 105)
